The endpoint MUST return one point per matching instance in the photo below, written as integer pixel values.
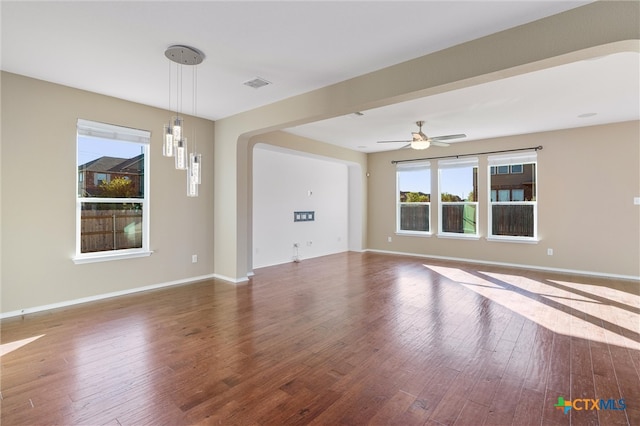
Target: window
(99, 178)
(112, 214)
(513, 215)
(517, 168)
(502, 170)
(458, 193)
(413, 192)
(517, 195)
(504, 195)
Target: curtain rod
(535, 148)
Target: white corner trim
(229, 279)
(512, 265)
(102, 296)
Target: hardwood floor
(353, 338)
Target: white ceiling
(117, 49)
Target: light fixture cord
(170, 80)
(195, 106)
(179, 88)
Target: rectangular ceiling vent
(257, 83)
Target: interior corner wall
(356, 163)
(38, 178)
(587, 180)
(284, 183)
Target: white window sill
(459, 236)
(108, 256)
(413, 234)
(520, 240)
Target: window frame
(451, 164)
(512, 159)
(88, 129)
(413, 166)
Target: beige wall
(587, 181)
(38, 199)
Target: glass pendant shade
(167, 146)
(195, 169)
(194, 174)
(176, 128)
(181, 154)
(192, 186)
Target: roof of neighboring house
(114, 165)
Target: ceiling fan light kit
(421, 141)
(420, 144)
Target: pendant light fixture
(174, 140)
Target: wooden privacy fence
(513, 220)
(102, 230)
(459, 218)
(413, 217)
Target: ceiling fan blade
(447, 137)
(438, 143)
(405, 141)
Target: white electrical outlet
(636, 201)
(194, 258)
(549, 252)
(388, 239)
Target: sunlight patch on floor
(586, 311)
(5, 348)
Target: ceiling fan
(421, 141)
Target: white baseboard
(300, 259)
(245, 279)
(103, 296)
(512, 265)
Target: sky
(454, 181)
(91, 148)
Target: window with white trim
(458, 194)
(112, 215)
(413, 197)
(513, 208)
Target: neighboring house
(105, 169)
(513, 183)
